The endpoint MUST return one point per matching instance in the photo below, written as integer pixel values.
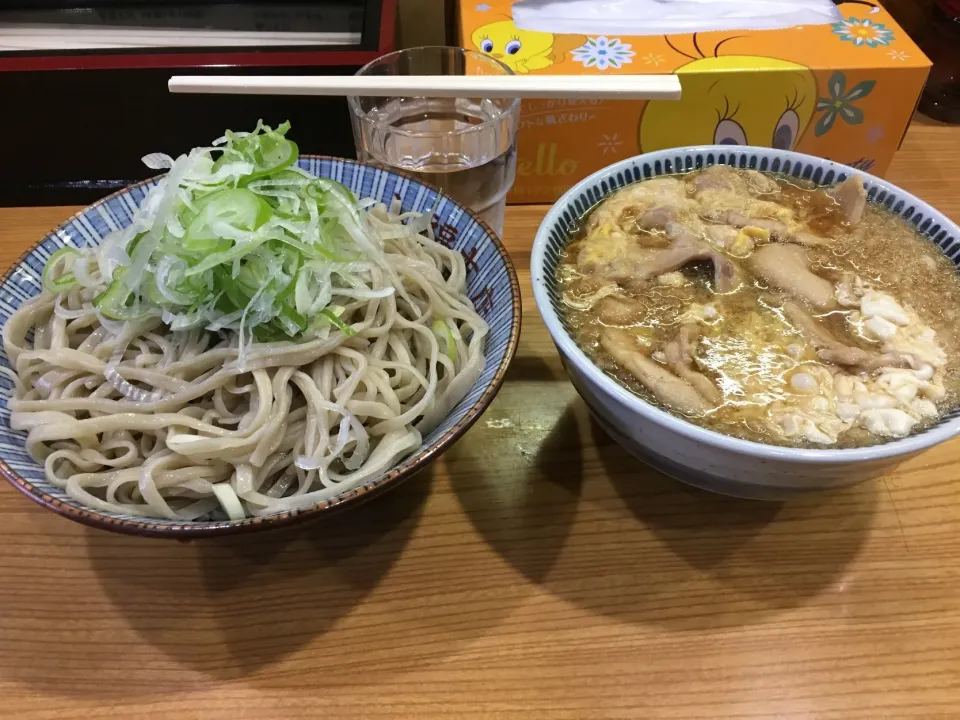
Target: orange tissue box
(844, 91)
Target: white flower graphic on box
(610, 143)
(603, 52)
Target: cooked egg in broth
(767, 308)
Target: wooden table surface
(536, 571)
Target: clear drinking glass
(465, 146)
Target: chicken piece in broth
(672, 391)
(787, 267)
(766, 308)
(645, 206)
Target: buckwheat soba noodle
(256, 341)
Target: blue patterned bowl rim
(554, 231)
(490, 270)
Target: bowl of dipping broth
(753, 321)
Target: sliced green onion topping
(65, 280)
(444, 334)
(237, 237)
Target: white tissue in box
(662, 17)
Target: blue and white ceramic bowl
(678, 448)
(491, 282)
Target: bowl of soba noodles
(250, 339)
(753, 321)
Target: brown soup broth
(744, 350)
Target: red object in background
(940, 40)
(382, 43)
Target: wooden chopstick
(588, 87)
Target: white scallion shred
(229, 501)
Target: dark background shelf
(75, 135)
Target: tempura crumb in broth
(766, 308)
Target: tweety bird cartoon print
(523, 50)
(726, 102)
